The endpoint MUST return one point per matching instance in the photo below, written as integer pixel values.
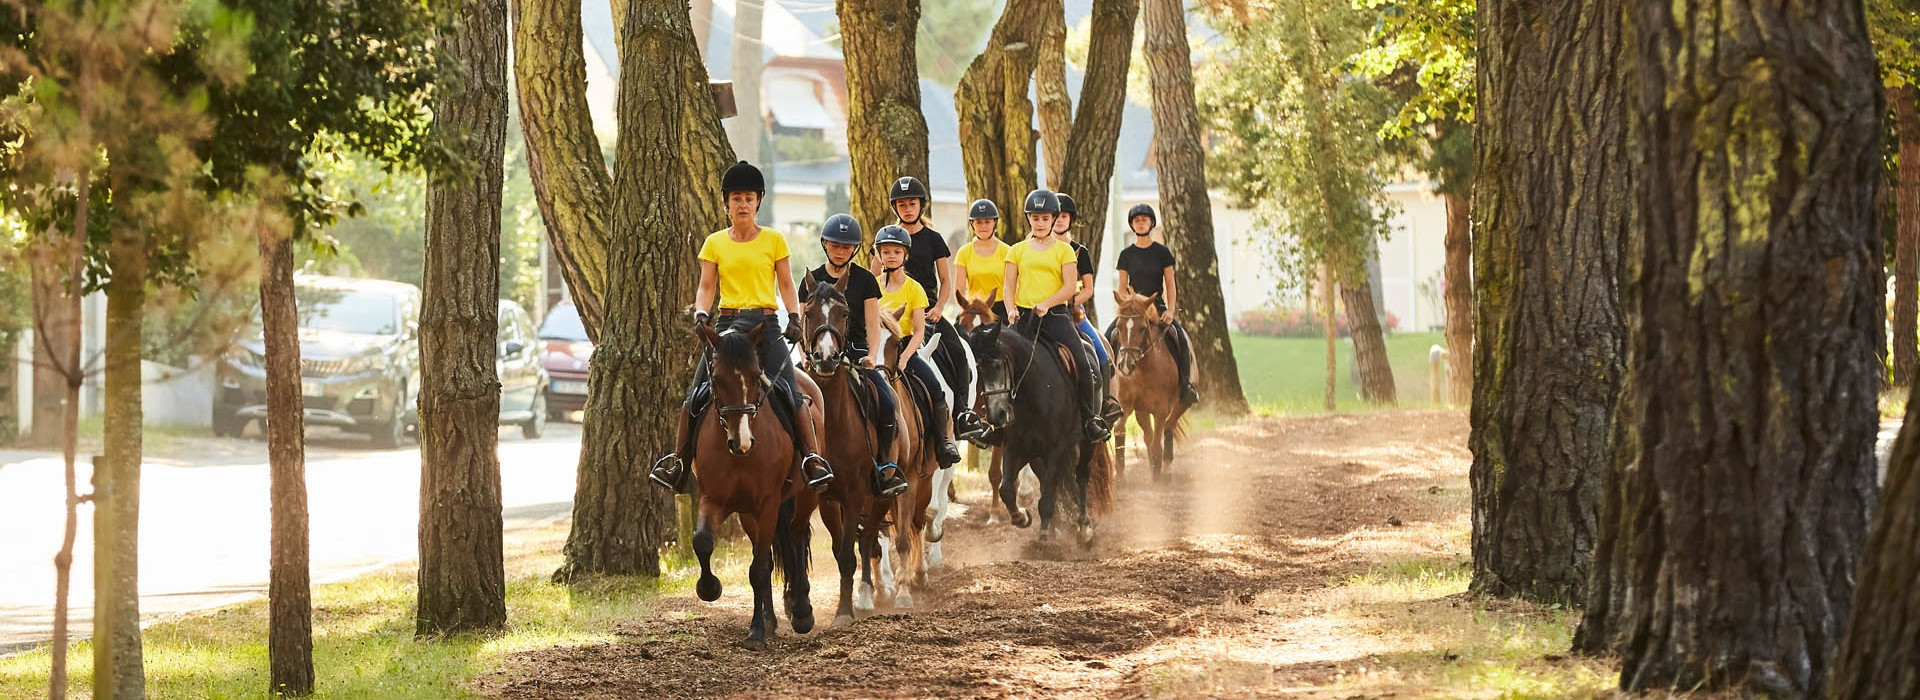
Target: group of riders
(1048, 278)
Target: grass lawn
(1288, 375)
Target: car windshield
(346, 311)
(563, 323)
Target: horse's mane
(736, 349)
(824, 290)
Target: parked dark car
(359, 363)
(567, 352)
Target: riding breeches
(775, 363)
(1056, 326)
(1093, 338)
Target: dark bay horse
(1146, 381)
(852, 512)
(744, 463)
(1030, 398)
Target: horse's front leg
(760, 576)
(1120, 444)
(1010, 487)
(1053, 472)
(869, 543)
(1082, 472)
(942, 483)
(708, 587)
(842, 522)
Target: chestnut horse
(745, 463)
(919, 515)
(1146, 381)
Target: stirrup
(669, 473)
(968, 426)
(817, 483)
(1097, 430)
(888, 481)
(1188, 396)
(1111, 410)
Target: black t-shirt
(1083, 262)
(1146, 269)
(929, 246)
(860, 288)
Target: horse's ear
(706, 335)
(900, 313)
(961, 294)
(995, 296)
(933, 343)
(1119, 296)
(805, 294)
(759, 331)
(841, 284)
(1153, 297)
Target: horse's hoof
(1085, 533)
(863, 598)
(802, 620)
(708, 587)
(751, 644)
(934, 555)
(843, 621)
(1020, 518)
(904, 601)
(1046, 534)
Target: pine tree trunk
(886, 133)
(1096, 126)
(118, 669)
(1882, 646)
(570, 178)
(462, 575)
(1050, 88)
(996, 117)
(1333, 338)
(749, 62)
(1459, 298)
(1757, 296)
(290, 626)
(1369, 343)
(52, 339)
(1186, 211)
(1552, 207)
(1906, 251)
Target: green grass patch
(1288, 375)
(363, 634)
(1893, 403)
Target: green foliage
(1894, 26)
(1427, 46)
(1295, 135)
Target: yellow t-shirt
(910, 296)
(746, 269)
(1042, 272)
(985, 273)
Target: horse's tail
(1100, 480)
(792, 543)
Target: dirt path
(1215, 582)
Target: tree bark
(1050, 86)
(289, 591)
(1551, 201)
(1882, 646)
(1369, 343)
(118, 669)
(996, 117)
(52, 338)
(1906, 255)
(462, 575)
(1459, 298)
(571, 182)
(1333, 338)
(1186, 211)
(886, 132)
(70, 379)
(1756, 292)
(1096, 126)
(749, 62)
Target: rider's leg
(670, 471)
(777, 364)
(1182, 347)
(1057, 327)
(887, 481)
(965, 422)
(1109, 406)
(939, 424)
(1093, 338)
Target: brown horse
(1146, 381)
(744, 463)
(916, 515)
(852, 512)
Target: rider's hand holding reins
(793, 329)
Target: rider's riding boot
(948, 452)
(887, 482)
(1183, 359)
(1110, 408)
(1096, 429)
(1188, 395)
(813, 466)
(670, 472)
(968, 426)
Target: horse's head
(823, 325)
(1137, 325)
(974, 312)
(1001, 353)
(738, 386)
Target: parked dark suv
(359, 363)
(567, 353)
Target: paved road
(203, 519)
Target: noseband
(1136, 354)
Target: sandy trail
(1206, 584)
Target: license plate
(312, 389)
(561, 386)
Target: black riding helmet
(892, 234)
(983, 209)
(1142, 210)
(743, 177)
(1042, 202)
(1066, 204)
(908, 187)
(840, 228)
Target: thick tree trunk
(1882, 646)
(996, 117)
(290, 627)
(570, 178)
(749, 62)
(1096, 126)
(1459, 298)
(1369, 342)
(640, 366)
(886, 133)
(1186, 211)
(462, 573)
(52, 338)
(1552, 208)
(1757, 295)
(1906, 250)
(118, 669)
(1050, 87)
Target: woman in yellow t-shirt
(983, 263)
(900, 294)
(747, 268)
(1041, 277)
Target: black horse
(1030, 398)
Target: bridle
(1137, 354)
